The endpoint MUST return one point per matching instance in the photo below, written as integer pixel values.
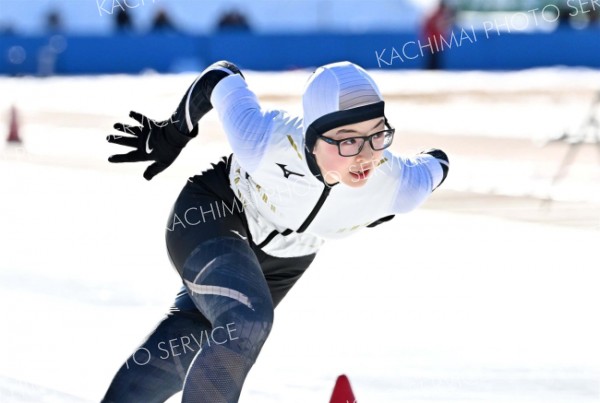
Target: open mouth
(360, 175)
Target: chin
(353, 183)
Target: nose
(366, 154)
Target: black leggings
(222, 316)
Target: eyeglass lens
(379, 141)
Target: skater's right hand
(160, 142)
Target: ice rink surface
(463, 300)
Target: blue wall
(564, 47)
(165, 53)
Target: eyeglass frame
(331, 141)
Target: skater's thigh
(198, 215)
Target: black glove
(153, 141)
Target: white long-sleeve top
(272, 178)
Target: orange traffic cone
(13, 128)
(342, 392)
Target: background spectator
(123, 21)
(437, 26)
(53, 22)
(162, 22)
(233, 20)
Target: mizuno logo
(287, 172)
(148, 149)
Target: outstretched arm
(442, 159)
(162, 142)
(196, 102)
(417, 177)
(246, 124)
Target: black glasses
(351, 146)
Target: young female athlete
(243, 232)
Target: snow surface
(432, 307)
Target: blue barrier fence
(173, 53)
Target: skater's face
(353, 171)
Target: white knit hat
(339, 94)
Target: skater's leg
(157, 369)
(225, 281)
(210, 246)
